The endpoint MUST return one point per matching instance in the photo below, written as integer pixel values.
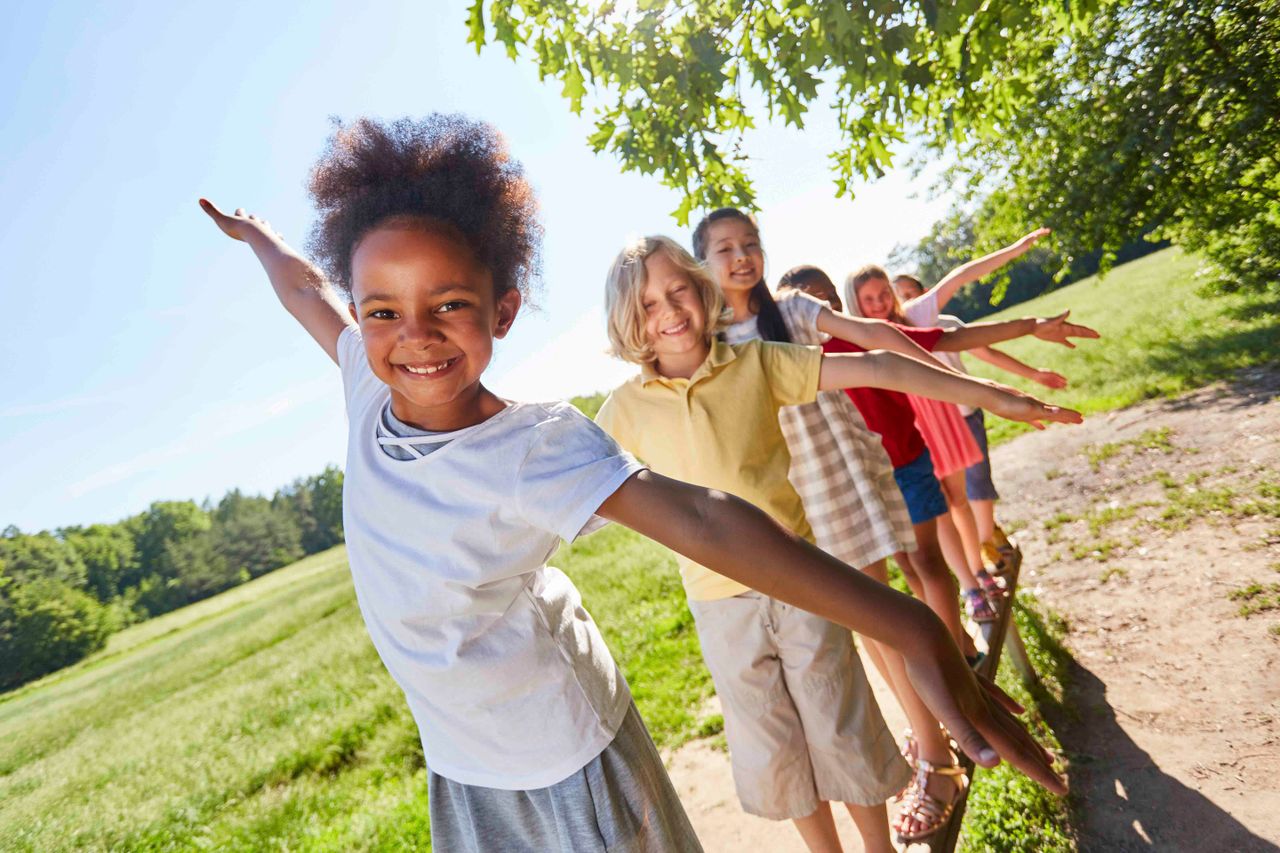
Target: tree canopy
(1105, 119)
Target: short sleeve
(792, 371)
(800, 312)
(571, 468)
(357, 378)
(923, 310)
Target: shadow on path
(1122, 800)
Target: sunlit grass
(262, 718)
(1161, 337)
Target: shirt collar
(720, 355)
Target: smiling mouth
(677, 330)
(429, 369)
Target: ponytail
(769, 320)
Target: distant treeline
(62, 593)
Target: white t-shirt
(923, 311)
(508, 678)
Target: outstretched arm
(895, 372)
(301, 288)
(1004, 361)
(871, 334)
(976, 269)
(1054, 329)
(732, 537)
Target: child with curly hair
(455, 499)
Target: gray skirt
(622, 800)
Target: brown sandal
(916, 803)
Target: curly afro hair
(444, 168)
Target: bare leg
(873, 825)
(938, 589)
(985, 513)
(819, 830)
(962, 515)
(909, 574)
(951, 545)
(891, 667)
(875, 651)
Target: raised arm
(871, 334)
(734, 538)
(895, 372)
(301, 288)
(1004, 361)
(1054, 329)
(976, 269)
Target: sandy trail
(1172, 721)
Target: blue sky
(145, 356)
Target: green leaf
(574, 89)
(475, 24)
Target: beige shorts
(799, 716)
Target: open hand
(1031, 239)
(1057, 330)
(1049, 379)
(980, 716)
(239, 225)
(1012, 404)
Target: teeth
(675, 330)
(429, 369)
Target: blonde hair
(624, 296)
(854, 282)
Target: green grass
(1161, 337)
(262, 718)
(1256, 598)
(1007, 811)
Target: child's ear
(508, 306)
(351, 309)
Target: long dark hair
(769, 320)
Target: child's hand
(240, 225)
(1031, 239)
(1057, 330)
(980, 716)
(1012, 404)
(1049, 379)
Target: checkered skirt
(838, 466)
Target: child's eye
(382, 314)
(451, 305)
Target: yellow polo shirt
(719, 429)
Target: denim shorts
(977, 477)
(920, 489)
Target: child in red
(891, 415)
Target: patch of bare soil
(1151, 530)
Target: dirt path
(1137, 528)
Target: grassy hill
(262, 718)
(1160, 337)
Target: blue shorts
(920, 489)
(977, 477)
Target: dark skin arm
(732, 537)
